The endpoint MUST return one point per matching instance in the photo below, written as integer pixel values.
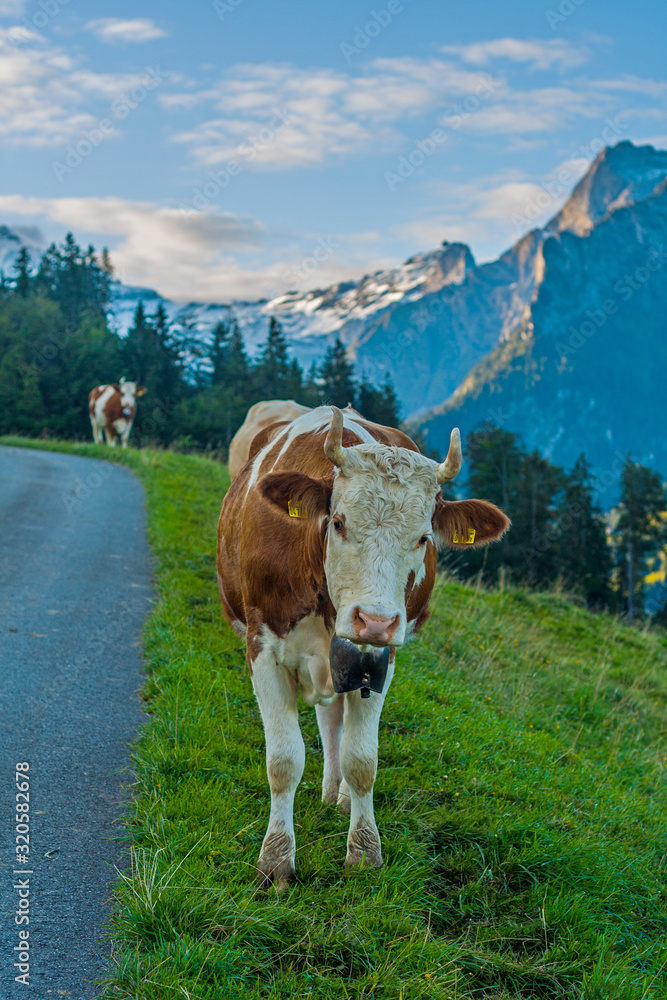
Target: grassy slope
(520, 796)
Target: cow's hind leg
(276, 691)
(358, 756)
(330, 721)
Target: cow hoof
(363, 860)
(279, 874)
(276, 862)
(330, 793)
(363, 849)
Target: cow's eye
(338, 526)
(424, 539)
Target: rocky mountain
(474, 342)
(311, 320)
(585, 369)
(432, 320)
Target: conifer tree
(336, 377)
(75, 281)
(379, 405)
(525, 486)
(22, 267)
(150, 357)
(228, 360)
(105, 262)
(640, 531)
(583, 554)
(275, 375)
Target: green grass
(520, 796)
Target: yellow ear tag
(465, 541)
(294, 509)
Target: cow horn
(333, 444)
(452, 465)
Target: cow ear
(141, 389)
(464, 523)
(296, 495)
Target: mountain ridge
(432, 320)
(594, 335)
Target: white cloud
(324, 112)
(10, 8)
(116, 29)
(492, 212)
(190, 255)
(539, 54)
(39, 103)
(633, 84)
(47, 100)
(545, 110)
(334, 113)
(659, 141)
(508, 199)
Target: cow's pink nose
(374, 628)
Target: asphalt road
(75, 588)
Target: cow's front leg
(358, 757)
(330, 722)
(276, 691)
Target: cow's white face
(380, 525)
(128, 395)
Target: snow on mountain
(311, 320)
(11, 242)
(429, 321)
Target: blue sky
(215, 146)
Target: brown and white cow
(327, 541)
(112, 410)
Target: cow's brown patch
(417, 598)
(262, 438)
(114, 409)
